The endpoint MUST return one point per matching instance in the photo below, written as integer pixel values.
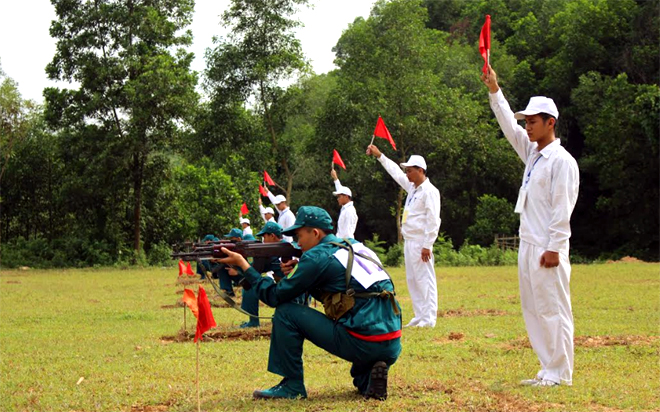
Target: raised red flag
(205, 319)
(191, 301)
(381, 131)
(268, 180)
(244, 210)
(484, 44)
(182, 267)
(336, 159)
(262, 191)
(189, 270)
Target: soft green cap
(209, 238)
(271, 227)
(235, 232)
(310, 216)
(248, 237)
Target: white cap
(245, 220)
(279, 199)
(269, 210)
(415, 160)
(343, 190)
(539, 104)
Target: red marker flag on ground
(182, 267)
(381, 131)
(336, 159)
(484, 43)
(244, 209)
(268, 180)
(262, 191)
(191, 301)
(189, 270)
(205, 319)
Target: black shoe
(378, 383)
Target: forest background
(135, 159)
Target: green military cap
(248, 237)
(235, 233)
(271, 227)
(209, 238)
(310, 216)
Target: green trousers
(293, 323)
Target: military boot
(286, 389)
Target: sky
(26, 46)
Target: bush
(377, 245)
(159, 254)
(394, 257)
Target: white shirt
(551, 180)
(247, 231)
(286, 218)
(348, 218)
(262, 210)
(421, 214)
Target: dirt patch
(626, 259)
(187, 281)
(14, 281)
(452, 337)
(222, 334)
(151, 408)
(459, 313)
(592, 341)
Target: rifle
(260, 252)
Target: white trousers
(545, 297)
(422, 285)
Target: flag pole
(197, 377)
(184, 317)
(373, 136)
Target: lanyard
(529, 174)
(410, 198)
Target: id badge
(405, 216)
(522, 197)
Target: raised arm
(392, 168)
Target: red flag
(182, 267)
(189, 270)
(244, 209)
(268, 180)
(205, 319)
(484, 43)
(190, 300)
(336, 159)
(381, 131)
(262, 191)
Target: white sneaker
(545, 383)
(530, 382)
(413, 322)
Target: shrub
(394, 255)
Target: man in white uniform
(546, 200)
(348, 218)
(420, 224)
(286, 217)
(267, 213)
(245, 223)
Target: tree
(493, 216)
(260, 53)
(133, 92)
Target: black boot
(378, 382)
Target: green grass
(106, 326)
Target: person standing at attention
(545, 203)
(286, 217)
(420, 224)
(348, 218)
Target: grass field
(101, 340)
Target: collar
(549, 149)
(285, 210)
(349, 204)
(426, 182)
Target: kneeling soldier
(362, 323)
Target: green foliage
(394, 257)
(493, 216)
(377, 246)
(471, 255)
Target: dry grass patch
(222, 334)
(461, 312)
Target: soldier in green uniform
(224, 278)
(361, 325)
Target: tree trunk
(138, 165)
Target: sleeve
(351, 222)
(395, 171)
(564, 190)
(295, 284)
(432, 205)
(514, 133)
(262, 212)
(337, 185)
(271, 196)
